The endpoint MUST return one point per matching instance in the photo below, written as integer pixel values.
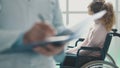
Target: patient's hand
(72, 50)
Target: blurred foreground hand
(39, 32)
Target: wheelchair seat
(78, 61)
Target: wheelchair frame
(97, 63)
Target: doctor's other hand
(49, 50)
(39, 32)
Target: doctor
(18, 21)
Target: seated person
(97, 33)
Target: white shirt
(23, 13)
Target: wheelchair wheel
(110, 59)
(99, 64)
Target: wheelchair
(84, 61)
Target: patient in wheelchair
(97, 33)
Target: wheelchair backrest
(106, 46)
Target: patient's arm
(85, 42)
(97, 39)
(74, 50)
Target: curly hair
(109, 18)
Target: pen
(41, 17)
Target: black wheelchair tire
(93, 63)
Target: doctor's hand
(39, 32)
(49, 50)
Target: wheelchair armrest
(71, 46)
(80, 39)
(89, 49)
